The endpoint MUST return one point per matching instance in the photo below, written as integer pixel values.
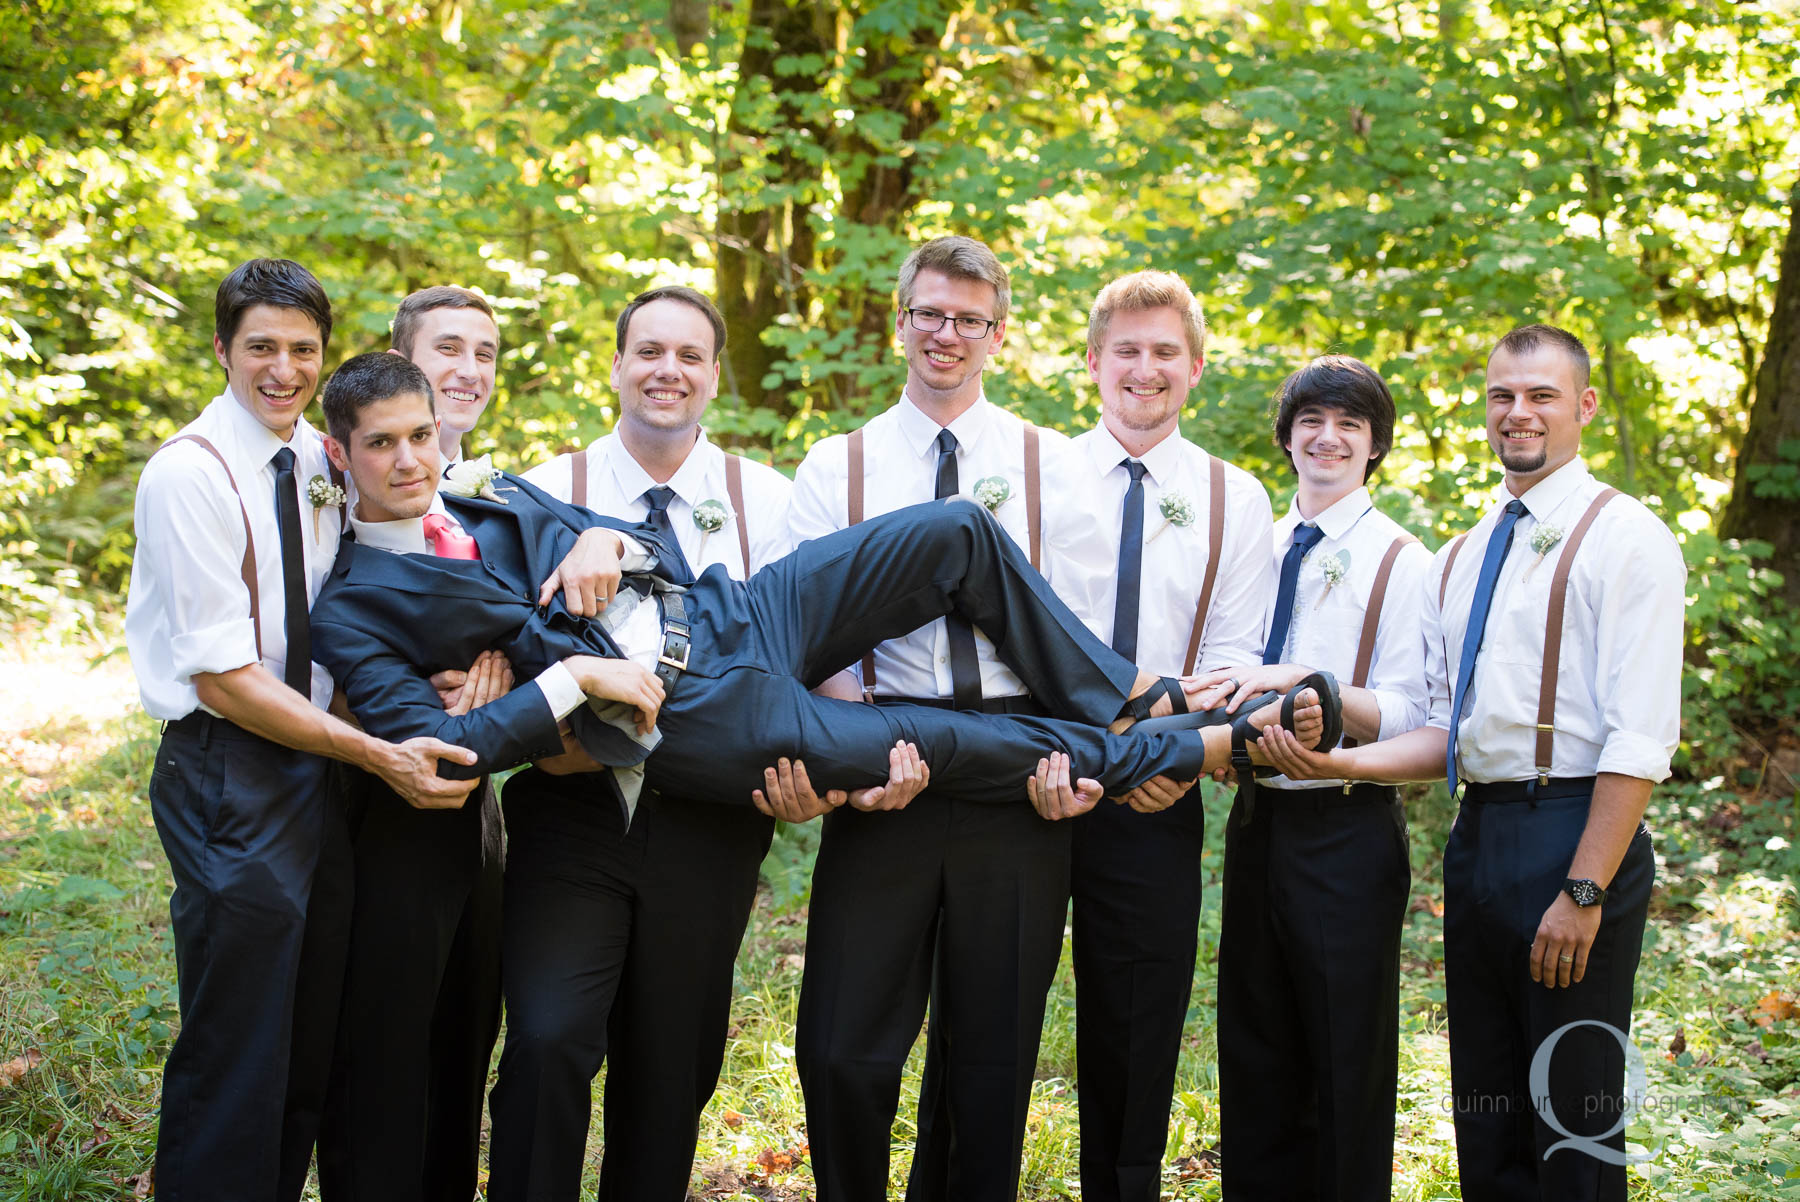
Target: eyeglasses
(930, 321)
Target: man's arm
(252, 698)
(1566, 928)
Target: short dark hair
(687, 296)
(1526, 339)
(411, 313)
(279, 282)
(365, 380)
(1347, 385)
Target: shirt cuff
(1630, 754)
(224, 647)
(632, 556)
(560, 690)
(1398, 714)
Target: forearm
(842, 687)
(1613, 817)
(251, 697)
(1415, 755)
(1362, 713)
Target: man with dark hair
(1316, 873)
(451, 334)
(421, 1005)
(219, 633)
(1555, 694)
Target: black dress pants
(953, 900)
(256, 839)
(1309, 994)
(421, 1002)
(618, 947)
(1504, 865)
(1136, 890)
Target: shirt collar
(1543, 498)
(1337, 518)
(256, 441)
(1160, 461)
(920, 431)
(403, 536)
(688, 482)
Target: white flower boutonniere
(1334, 568)
(710, 516)
(991, 492)
(472, 478)
(1176, 510)
(1543, 541)
(324, 495)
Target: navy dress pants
(256, 839)
(1309, 993)
(1503, 866)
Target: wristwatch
(1584, 893)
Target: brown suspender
(578, 478)
(1553, 631)
(734, 490)
(249, 569)
(1456, 546)
(1365, 646)
(1034, 509)
(1215, 547)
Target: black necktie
(1131, 565)
(658, 499)
(293, 576)
(965, 667)
(1305, 535)
(1499, 543)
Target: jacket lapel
(425, 574)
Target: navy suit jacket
(385, 622)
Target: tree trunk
(1765, 497)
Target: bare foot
(1309, 721)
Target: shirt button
(943, 659)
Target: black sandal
(1243, 733)
(1138, 708)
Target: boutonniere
(324, 495)
(1176, 510)
(991, 492)
(472, 478)
(710, 516)
(1334, 568)
(1543, 539)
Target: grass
(87, 983)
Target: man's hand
(488, 679)
(1284, 752)
(908, 775)
(1157, 793)
(1241, 684)
(1051, 794)
(790, 795)
(410, 770)
(620, 680)
(588, 576)
(1565, 935)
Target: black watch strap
(1584, 893)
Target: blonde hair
(1143, 290)
(959, 258)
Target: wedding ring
(1566, 959)
(1234, 682)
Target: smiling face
(1536, 408)
(272, 364)
(457, 350)
(1145, 371)
(1331, 450)
(392, 454)
(943, 369)
(665, 371)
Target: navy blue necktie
(657, 500)
(965, 666)
(1131, 565)
(1305, 536)
(298, 675)
(1499, 543)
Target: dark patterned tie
(965, 666)
(1499, 543)
(1305, 536)
(1131, 564)
(657, 499)
(293, 576)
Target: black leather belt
(1513, 792)
(1353, 793)
(677, 646)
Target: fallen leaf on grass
(1202, 1166)
(771, 1161)
(100, 1136)
(732, 1118)
(14, 1070)
(143, 1184)
(1773, 1008)
(1678, 1045)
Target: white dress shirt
(616, 485)
(188, 610)
(900, 469)
(1175, 557)
(1326, 630)
(1618, 692)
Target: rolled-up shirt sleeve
(187, 518)
(1637, 679)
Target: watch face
(1584, 893)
